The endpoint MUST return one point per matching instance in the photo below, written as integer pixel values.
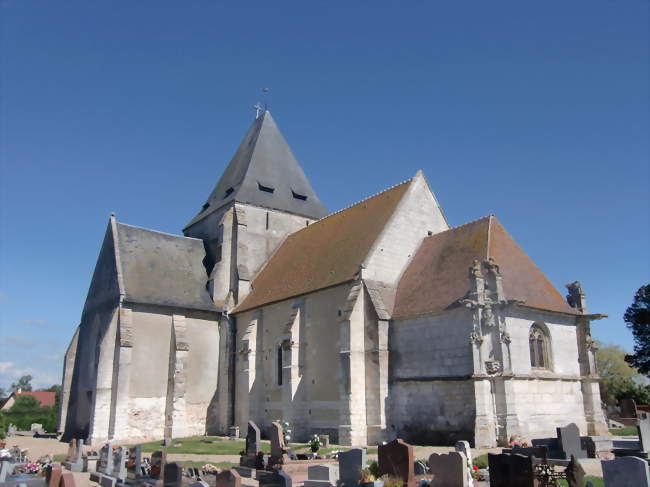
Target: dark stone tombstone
(396, 459)
(628, 408)
(569, 441)
(278, 478)
(158, 460)
(172, 475)
(134, 463)
(253, 439)
(575, 474)
(508, 470)
(278, 448)
(419, 468)
(227, 478)
(626, 472)
(351, 463)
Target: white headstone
(463, 447)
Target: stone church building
(373, 322)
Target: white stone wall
(66, 382)
(314, 402)
(431, 396)
(415, 216)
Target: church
(376, 321)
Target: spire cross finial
(258, 109)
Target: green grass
(201, 445)
(59, 458)
(627, 431)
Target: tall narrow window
(538, 345)
(267, 220)
(280, 365)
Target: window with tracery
(538, 343)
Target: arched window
(279, 364)
(538, 342)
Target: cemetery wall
(430, 396)
(314, 404)
(417, 214)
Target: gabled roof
(159, 268)
(264, 172)
(438, 273)
(45, 398)
(326, 253)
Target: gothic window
(538, 343)
(280, 365)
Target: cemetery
(275, 461)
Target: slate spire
(264, 172)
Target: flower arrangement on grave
(286, 431)
(367, 476)
(315, 443)
(209, 468)
(4, 453)
(391, 481)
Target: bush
(3, 427)
(481, 461)
(27, 410)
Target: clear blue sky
(537, 112)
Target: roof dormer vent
(266, 189)
(297, 196)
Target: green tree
(637, 318)
(617, 378)
(24, 383)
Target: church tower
(262, 197)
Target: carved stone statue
(492, 266)
(475, 269)
(575, 295)
(489, 319)
(493, 366)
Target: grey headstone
(419, 468)
(448, 470)
(464, 448)
(173, 475)
(276, 435)
(628, 408)
(134, 463)
(278, 478)
(253, 439)
(626, 472)
(5, 468)
(351, 463)
(643, 428)
(325, 440)
(569, 441)
(327, 472)
(107, 481)
(105, 464)
(119, 463)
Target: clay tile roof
(438, 274)
(44, 397)
(326, 253)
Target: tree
(637, 318)
(617, 378)
(23, 383)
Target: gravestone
(134, 463)
(626, 472)
(325, 440)
(322, 476)
(396, 459)
(54, 476)
(643, 427)
(105, 464)
(119, 463)
(511, 470)
(5, 467)
(569, 441)
(464, 448)
(419, 468)
(67, 480)
(75, 462)
(278, 478)
(575, 474)
(351, 463)
(11, 430)
(253, 439)
(448, 470)
(278, 448)
(158, 459)
(72, 451)
(628, 408)
(227, 478)
(172, 475)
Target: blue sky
(537, 112)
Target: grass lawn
(219, 445)
(627, 431)
(203, 445)
(597, 481)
